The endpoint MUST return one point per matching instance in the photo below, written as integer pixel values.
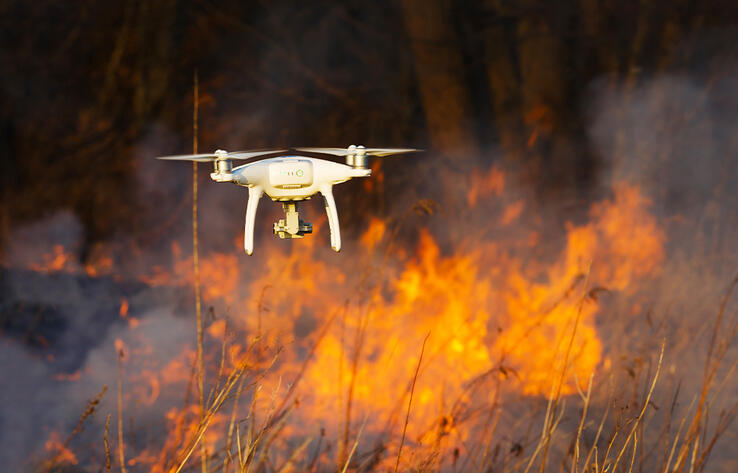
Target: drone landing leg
(330, 209)
(255, 194)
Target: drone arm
(255, 194)
(330, 208)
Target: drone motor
(357, 157)
(222, 163)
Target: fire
(490, 315)
(492, 318)
(219, 274)
(539, 119)
(374, 233)
(63, 260)
(494, 312)
(485, 186)
(102, 265)
(58, 260)
(123, 311)
(61, 454)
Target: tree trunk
(440, 72)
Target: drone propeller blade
(201, 158)
(333, 151)
(208, 157)
(378, 152)
(253, 153)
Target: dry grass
(632, 443)
(612, 431)
(603, 438)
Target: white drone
(290, 179)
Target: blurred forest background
(86, 86)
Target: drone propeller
(356, 156)
(221, 154)
(359, 150)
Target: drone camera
(291, 226)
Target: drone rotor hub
(223, 166)
(222, 163)
(356, 157)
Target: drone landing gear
(291, 226)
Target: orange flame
(62, 454)
(487, 312)
(484, 186)
(58, 260)
(374, 234)
(493, 316)
(123, 312)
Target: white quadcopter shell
(290, 179)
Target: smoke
(674, 134)
(58, 332)
(27, 243)
(669, 134)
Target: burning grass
(588, 431)
(519, 373)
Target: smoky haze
(567, 101)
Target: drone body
(290, 179)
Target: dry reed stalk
(228, 460)
(261, 459)
(551, 423)
(635, 449)
(585, 398)
(356, 444)
(220, 398)
(121, 454)
(245, 455)
(260, 308)
(643, 409)
(358, 343)
(490, 435)
(309, 357)
(196, 266)
(565, 366)
(667, 463)
(169, 455)
(89, 411)
(725, 420)
(287, 465)
(717, 349)
(221, 364)
(343, 439)
(427, 207)
(252, 415)
(410, 403)
(229, 437)
(593, 450)
(107, 445)
(264, 445)
(339, 442)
